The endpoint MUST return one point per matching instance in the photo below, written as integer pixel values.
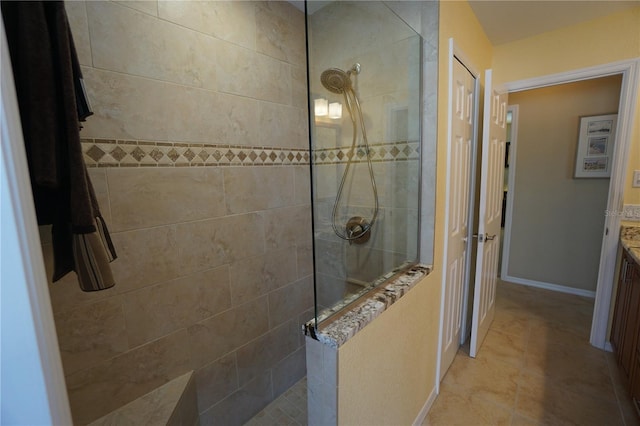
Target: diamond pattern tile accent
(131, 153)
(118, 153)
(156, 154)
(189, 155)
(173, 154)
(137, 153)
(95, 153)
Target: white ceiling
(506, 21)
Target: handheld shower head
(337, 81)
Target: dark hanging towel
(52, 102)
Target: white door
(457, 223)
(490, 211)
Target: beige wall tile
(91, 333)
(203, 116)
(130, 107)
(216, 380)
(145, 257)
(240, 406)
(125, 107)
(304, 260)
(98, 390)
(302, 185)
(282, 126)
(280, 32)
(125, 40)
(244, 72)
(287, 226)
(66, 293)
(144, 197)
(147, 6)
(263, 353)
(212, 338)
(288, 372)
(254, 276)
(299, 88)
(210, 243)
(249, 189)
(233, 21)
(161, 309)
(290, 301)
(77, 16)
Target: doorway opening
(618, 162)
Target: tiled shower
(198, 151)
(387, 52)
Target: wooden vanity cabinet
(625, 331)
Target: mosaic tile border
(382, 152)
(135, 153)
(132, 153)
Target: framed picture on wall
(595, 146)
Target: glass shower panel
(366, 161)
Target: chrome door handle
(488, 237)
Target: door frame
(511, 177)
(455, 53)
(630, 71)
(30, 362)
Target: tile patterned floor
(536, 367)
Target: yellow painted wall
(388, 370)
(608, 39)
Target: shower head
(337, 81)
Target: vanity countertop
(630, 239)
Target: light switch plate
(631, 212)
(636, 179)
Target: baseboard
(549, 286)
(425, 408)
